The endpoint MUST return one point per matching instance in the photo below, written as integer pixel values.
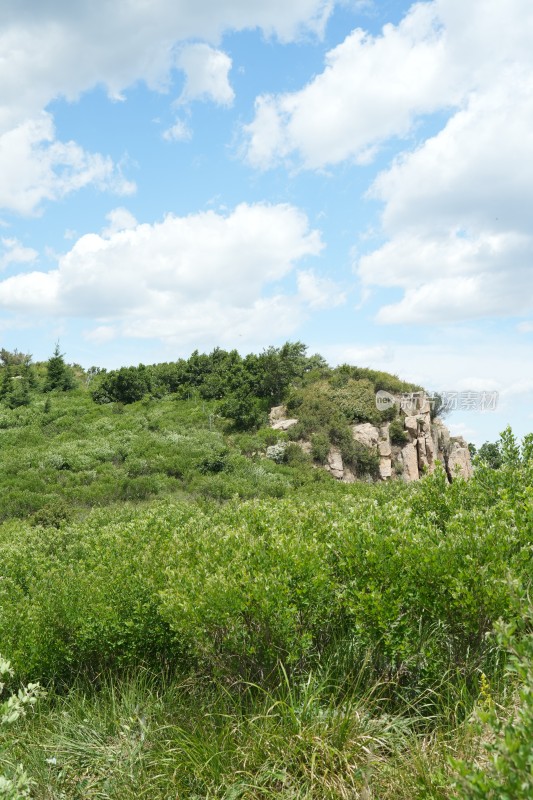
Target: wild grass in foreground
(140, 738)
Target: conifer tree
(58, 374)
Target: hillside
(199, 428)
(214, 620)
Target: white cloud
(179, 132)
(56, 49)
(371, 89)
(100, 335)
(456, 210)
(62, 49)
(526, 327)
(35, 166)
(376, 87)
(16, 253)
(202, 277)
(207, 74)
(120, 219)
(319, 292)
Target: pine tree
(58, 374)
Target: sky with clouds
(355, 174)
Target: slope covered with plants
(208, 623)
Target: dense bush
(417, 575)
(398, 434)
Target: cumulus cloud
(456, 210)
(35, 166)
(53, 49)
(207, 74)
(318, 292)
(456, 213)
(373, 88)
(179, 132)
(16, 253)
(100, 335)
(119, 219)
(204, 276)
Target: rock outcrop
(334, 463)
(428, 441)
(366, 434)
(278, 419)
(459, 463)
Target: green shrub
(398, 434)
(320, 447)
(508, 734)
(357, 401)
(18, 785)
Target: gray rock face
(366, 434)
(278, 419)
(385, 468)
(283, 424)
(459, 463)
(385, 449)
(410, 462)
(430, 441)
(277, 412)
(334, 463)
(411, 426)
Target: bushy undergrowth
(418, 575)
(64, 455)
(319, 646)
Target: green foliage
(320, 446)
(126, 385)
(244, 410)
(317, 643)
(507, 773)
(381, 381)
(417, 575)
(357, 401)
(398, 434)
(490, 453)
(18, 785)
(58, 374)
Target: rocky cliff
(408, 451)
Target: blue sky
(357, 175)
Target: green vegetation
(210, 623)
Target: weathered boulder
(278, 419)
(277, 412)
(283, 424)
(409, 461)
(423, 462)
(385, 449)
(349, 476)
(366, 433)
(305, 446)
(334, 463)
(415, 404)
(411, 426)
(459, 463)
(385, 468)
